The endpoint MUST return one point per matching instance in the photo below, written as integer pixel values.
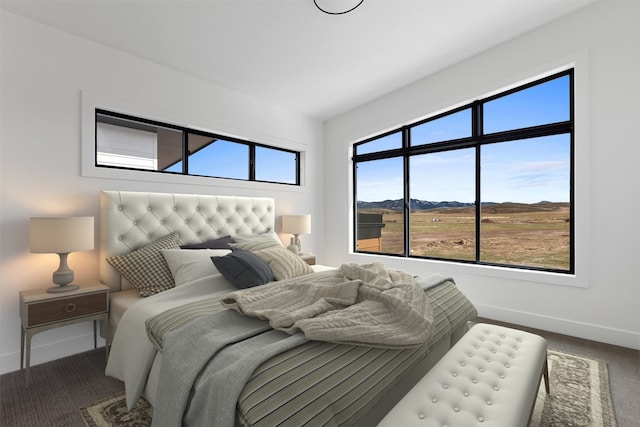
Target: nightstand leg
(27, 374)
(95, 336)
(21, 347)
(107, 333)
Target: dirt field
(516, 234)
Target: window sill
(503, 273)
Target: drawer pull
(71, 307)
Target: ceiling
(289, 53)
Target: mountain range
(418, 205)
(415, 204)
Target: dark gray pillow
(243, 269)
(220, 243)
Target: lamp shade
(296, 224)
(61, 235)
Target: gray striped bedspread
(320, 383)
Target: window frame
(477, 139)
(186, 131)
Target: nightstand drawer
(65, 308)
(309, 259)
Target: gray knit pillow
(256, 244)
(283, 263)
(146, 268)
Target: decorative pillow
(219, 243)
(256, 242)
(246, 237)
(189, 265)
(145, 268)
(243, 269)
(283, 263)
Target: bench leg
(545, 374)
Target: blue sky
(525, 171)
(228, 159)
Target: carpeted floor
(59, 389)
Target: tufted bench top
(490, 377)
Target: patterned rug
(580, 393)
(112, 411)
(580, 396)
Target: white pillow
(187, 265)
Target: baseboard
(619, 337)
(10, 362)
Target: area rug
(112, 411)
(580, 393)
(580, 396)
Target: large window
(486, 183)
(132, 143)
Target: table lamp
(296, 225)
(61, 236)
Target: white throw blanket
(369, 305)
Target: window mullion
(477, 132)
(252, 162)
(185, 152)
(406, 143)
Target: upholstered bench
(490, 377)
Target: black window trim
(476, 140)
(140, 123)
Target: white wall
(49, 80)
(602, 301)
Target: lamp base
(62, 288)
(63, 276)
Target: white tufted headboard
(130, 220)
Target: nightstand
(308, 258)
(41, 311)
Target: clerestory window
(489, 183)
(128, 142)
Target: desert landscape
(532, 235)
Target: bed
(312, 382)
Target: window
(383, 176)
(132, 143)
(488, 183)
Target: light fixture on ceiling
(337, 13)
